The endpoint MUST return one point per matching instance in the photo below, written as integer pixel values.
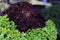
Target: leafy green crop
(8, 31)
(46, 33)
(53, 13)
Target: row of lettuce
(8, 31)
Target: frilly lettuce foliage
(8, 31)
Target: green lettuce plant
(53, 13)
(8, 31)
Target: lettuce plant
(8, 31)
(53, 13)
(25, 16)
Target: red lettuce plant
(25, 16)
